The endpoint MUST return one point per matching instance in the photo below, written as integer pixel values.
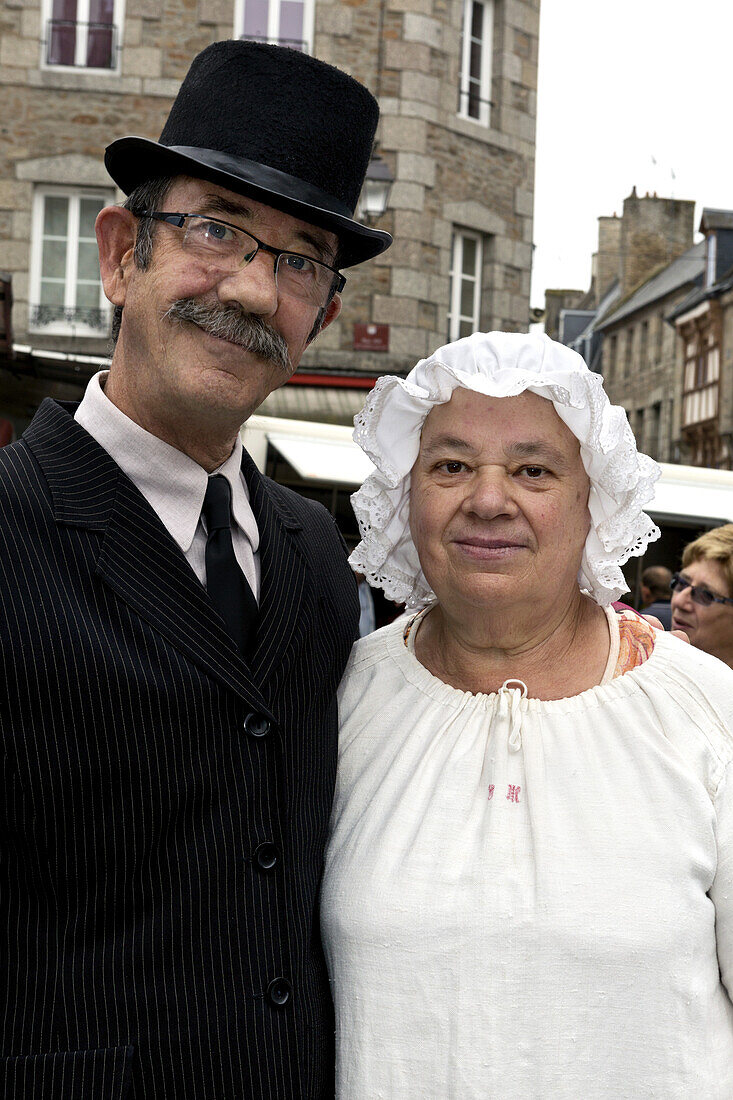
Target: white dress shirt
(172, 483)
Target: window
(701, 339)
(83, 34)
(465, 284)
(287, 22)
(660, 336)
(628, 357)
(474, 94)
(644, 344)
(711, 254)
(609, 355)
(66, 289)
(639, 428)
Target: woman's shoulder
(374, 647)
(694, 666)
(372, 660)
(699, 686)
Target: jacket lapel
(138, 559)
(286, 596)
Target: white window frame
(82, 38)
(457, 278)
(273, 22)
(487, 50)
(64, 327)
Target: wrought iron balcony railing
(472, 104)
(97, 319)
(81, 45)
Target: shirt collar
(172, 483)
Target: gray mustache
(229, 323)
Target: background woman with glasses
(702, 593)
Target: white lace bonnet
(500, 364)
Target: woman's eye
(534, 471)
(452, 467)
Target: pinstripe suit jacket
(142, 926)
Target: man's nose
(252, 287)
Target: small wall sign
(371, 337)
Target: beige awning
(693, 496)
(318, 452)
(324, 404)
(334, 461)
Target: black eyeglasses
(698, 593)
(227, 248)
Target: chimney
(608, 257)
(653, 232)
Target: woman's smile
(488, 549)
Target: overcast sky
(623, 85)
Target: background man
(174, 625)
(656, 593)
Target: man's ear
(332, 311)
(116, 230)
(324, 318)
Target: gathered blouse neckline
(631, 644)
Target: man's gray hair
(147, 196)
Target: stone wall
(642, 373)
(607, 260)
(653, 232)
(449, 171)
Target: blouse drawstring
(513, 697)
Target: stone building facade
(645, 265)
(703, 322)
(640, 356)
(456, 81)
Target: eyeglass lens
(699, 595)
(231, 248)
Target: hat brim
(131, 161)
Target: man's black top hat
(272, 123)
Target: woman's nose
(682, 598)
(491, 495)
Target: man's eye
(217, 231)
(299, 265)
(452, 467)
(534, 471)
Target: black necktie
(226, 584)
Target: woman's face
(498, 501)
(709, 628)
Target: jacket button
(266, 855)
(279, 992)
(256, 725)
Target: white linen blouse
(532, 899)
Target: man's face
(175, 367)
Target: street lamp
(375, 192)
